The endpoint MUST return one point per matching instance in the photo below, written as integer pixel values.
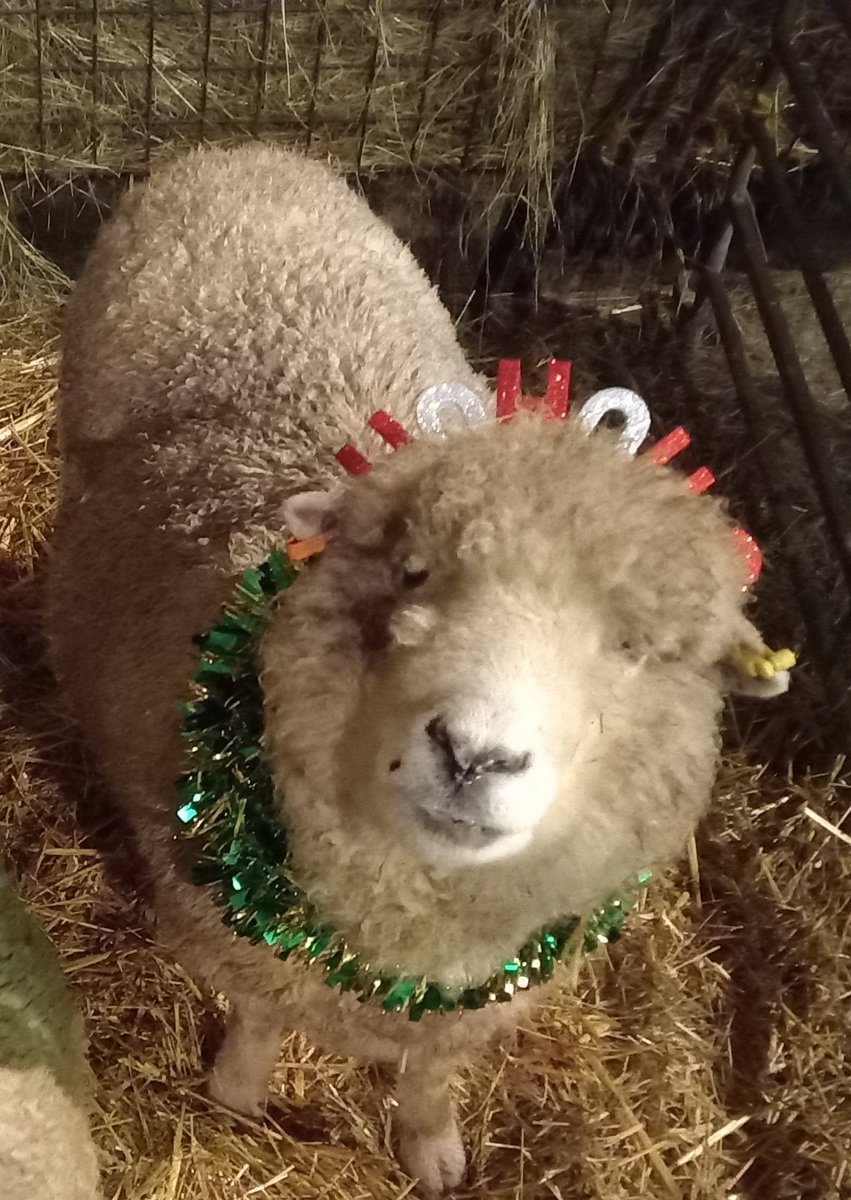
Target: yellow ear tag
(762, 664)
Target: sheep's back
(245, 313)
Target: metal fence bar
(644, 71)
(149, 78)
(94, 78)
(183, 68)
(233, 10)
(39, 68)
(807, 96)
(801, 404)
(316, 73)
(660, 89)
(831, 323)
(263, 65)
(434, 27)
(707, 89)
(283, 122)
(482, 69)
(613, 11)
(692, 324)
(784, 516)
(371, 75)
(205, 68)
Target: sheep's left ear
(309, 513)
(751, 669)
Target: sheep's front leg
(430, 1148)
(247, 1056)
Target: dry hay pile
(496, 107)
(376, 84)
(704, 1056)
(513, 86)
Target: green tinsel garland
(226, 804)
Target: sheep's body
(213, 364)
(46, 1150)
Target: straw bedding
(704, 1056)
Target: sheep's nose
(463, 765)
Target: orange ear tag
(303, 548)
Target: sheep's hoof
(234, 1093)
(437, 1161)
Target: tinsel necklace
(226, 806)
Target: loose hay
(517, 84)
(505, 96)
(704, 1056)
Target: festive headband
(437, 406)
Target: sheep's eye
(415, 574)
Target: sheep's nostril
(396, 764)
(465, 765)
(508, 764)
(438, 733)
(440, 738)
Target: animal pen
(660, 192)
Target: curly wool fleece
(272, 338)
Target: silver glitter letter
(635, 413)
(440, 407)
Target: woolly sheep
(525, 593)
(46, 1149)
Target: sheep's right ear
(308, 514)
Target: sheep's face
(475, 709)
(465, 635)
(474, 695)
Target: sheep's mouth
(457, 830)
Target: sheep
(46, 1148)
(518, 595)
